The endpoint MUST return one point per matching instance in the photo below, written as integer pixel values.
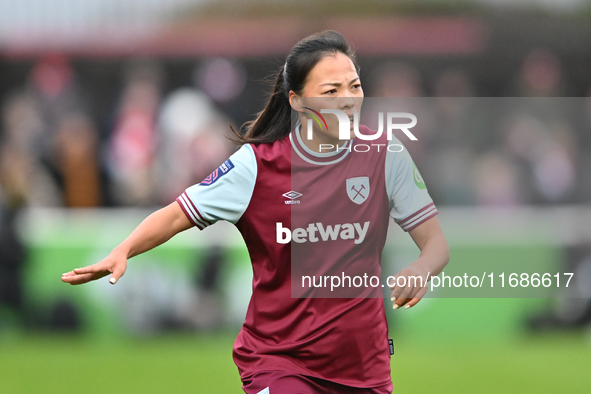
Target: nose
(346, 102)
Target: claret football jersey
(305, 215)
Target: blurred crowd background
(127, 103)
(132, 121)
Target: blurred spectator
(221, 79)
(25, 174)
(133, 141)
(396, 84)
(540, 75)
(496, 180)
(584, 159)
(538, 133)
(12, 252)
(53, 78)
(53, 85)
(394, 79)
(456, 122)
(539, 137)
(193, 141)
(453, 83)
(49, 146)
(76, 158)
(23, 123)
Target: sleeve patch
(418, 178)
(218, 173)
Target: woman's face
(332, 84)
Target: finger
(395, 293)
(405, 292)
(400, 302)
(68, 276)
(81, 281)
(89, 270)
(412, 288)
(396, 290)
(83, 278)
(412, 302)
(392, 282)
(411, 292)
(402, 291)
(77, 279)
(417, 298)
(401, 284)
(117, 273)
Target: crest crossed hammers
(357, 191)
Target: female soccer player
(307, 201)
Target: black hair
(274, 122)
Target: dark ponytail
(275, 121)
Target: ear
(295, 101)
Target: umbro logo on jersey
(293, 197)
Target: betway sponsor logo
(318, 232)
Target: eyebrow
(338, 83)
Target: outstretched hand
(156, 229)
(115, 264)
(408, 287)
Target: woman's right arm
(156, 229)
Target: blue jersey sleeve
(223, 195)
(410, 203)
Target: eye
(331, 91)
(357, 86)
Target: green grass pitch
(203, 364)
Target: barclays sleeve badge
(217, 174)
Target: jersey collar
(308, 155)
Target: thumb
(115, 276)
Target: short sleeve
(223, 195)
(410, 203)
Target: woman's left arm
(434, 256)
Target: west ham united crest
(358, 189)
